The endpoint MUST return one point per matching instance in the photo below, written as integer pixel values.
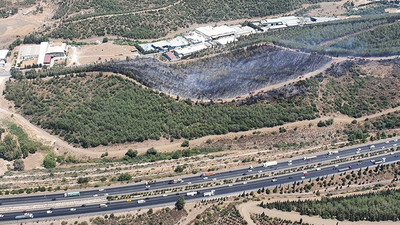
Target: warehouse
(243, 30)
(3, 57)
(186, 51)
(216, 32)
(196, 38)
(42, 52)
(164, 46)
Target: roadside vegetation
(376, 206)
(15, 144)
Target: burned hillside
(223, 76)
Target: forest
(111, 109)
(372, 35)
(375, 206)
(146, 24)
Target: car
(189, 183)
(249, 170)
(274, 180)
(303, 178)
(205, 178)
(337, 157)
(95, 195)
(214, 179)
(147, 187)
(244, 174)
(164, 195)
(387, 142)
(53, 199)
(230, 185)
(260, 171)
(289, 164)
(395, 140)
(383, 147)
(290, 177)
(128, 200)
(392, 153)
(101, 189)
(25, 211)
(83, 205)
(49, 212)
(318, 169)
(245, 182)
(1, 215)
(72, 209)
(106, 194)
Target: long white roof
(191, 49)
(42, 52)
(3, 54)
(215, 32)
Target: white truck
(209, 193)
(272, 163)
(24, 216)
(333, 152)
(193, 193)
(309, 157)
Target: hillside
(127, 18)
(110, 109)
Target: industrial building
(164, 46)
(216, 32)
(3, 57)
(277, 23)
(196, 38)
(45, 52)
(186, 51)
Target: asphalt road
(139, 187)
(219, 191)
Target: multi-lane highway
(219, 190)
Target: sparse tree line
(376, 206)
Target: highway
(219, 190)
(230, 174)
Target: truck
(206, 174)
(150, 182)
(193, 193)
(176, 181)
(309, 157)
(345, 169)
(24, 216)
(103, 205)
(72, 194)
(272, 163)
(209, 193)
(333, 152)
(380, 161)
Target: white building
(186, 51)
(243, 30)
(166, 45)
(196, 38)
(216, 32)
(225, 40)
(42, 52)
(3, 57)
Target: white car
(106, 194)
(249, 170)
(1, 215)
(318, 169)
(49, 212)
(164, 195)
(189, 183)
(274, 180)
(101, 189)
(205, 178)
(230, 185)
(72, 209)
(260, 171)
(95, 195)
(383, 147)
(245, 182)
(303, 178)
(337, 157)
(214, 179)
